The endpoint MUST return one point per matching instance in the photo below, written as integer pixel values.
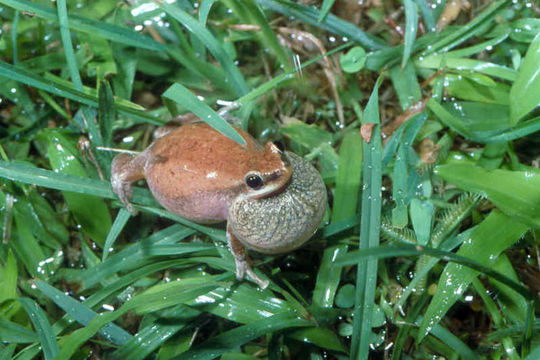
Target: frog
(272, 200)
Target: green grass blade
(535, 354)
(148, 339)
(325, 9)
(411, 27)
(11, 332)
(427, 15)
(157, 297)
(524, 93)
(251, 13)
(478, 66)
(21, 75)
(481, 246)
(14, 32)
(246, 304)
(283, 78)
(348, 180)
(106, 112)
(383, 252)
(204, 10)
(516, 193)
(405, 82)
(121, 220)
(349, 177)
(454, 342)
(81, 313)
(369, 230)
(68, 47)
(331, 23)
(229, 340)
(182, 95)
(134, 255)
(455, 38)
(42, 326)
(205, 36)
(79, 23)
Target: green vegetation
(430, 246)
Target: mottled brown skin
(197, 173)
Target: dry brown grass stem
(298, 43)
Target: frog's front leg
(241, 260)
(126, 169)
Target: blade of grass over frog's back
(182, 95)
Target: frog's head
(284, 221)
(270, 174)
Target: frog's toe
(124, 190)
(263, 284)
(241, 266)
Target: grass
(422, 118)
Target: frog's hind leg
(126, 169)
(241, 260)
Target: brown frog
(272, 201)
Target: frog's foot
(123, 174)
(243, 268)
(241, 261)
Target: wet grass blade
(154, 334)
(369, 230)
(229, 340)
(121, 220)
(411, 26)
(63, 90)
(133, 256)
(182, 95)
(325, 8)
(516, 193)
(331, 23)
(389, 251)
(348, 180)
(42, 326)
(524, 94)
(484, 249)
(455, 38)
(81, 313)
(155, 298)
(11, 332)
(249, 12)
(205, 36)
(427, 15)
(79, 23)
(478, 66)
(68, 47)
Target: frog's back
(196, 172)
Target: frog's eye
(254, 181)
(279, 145)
